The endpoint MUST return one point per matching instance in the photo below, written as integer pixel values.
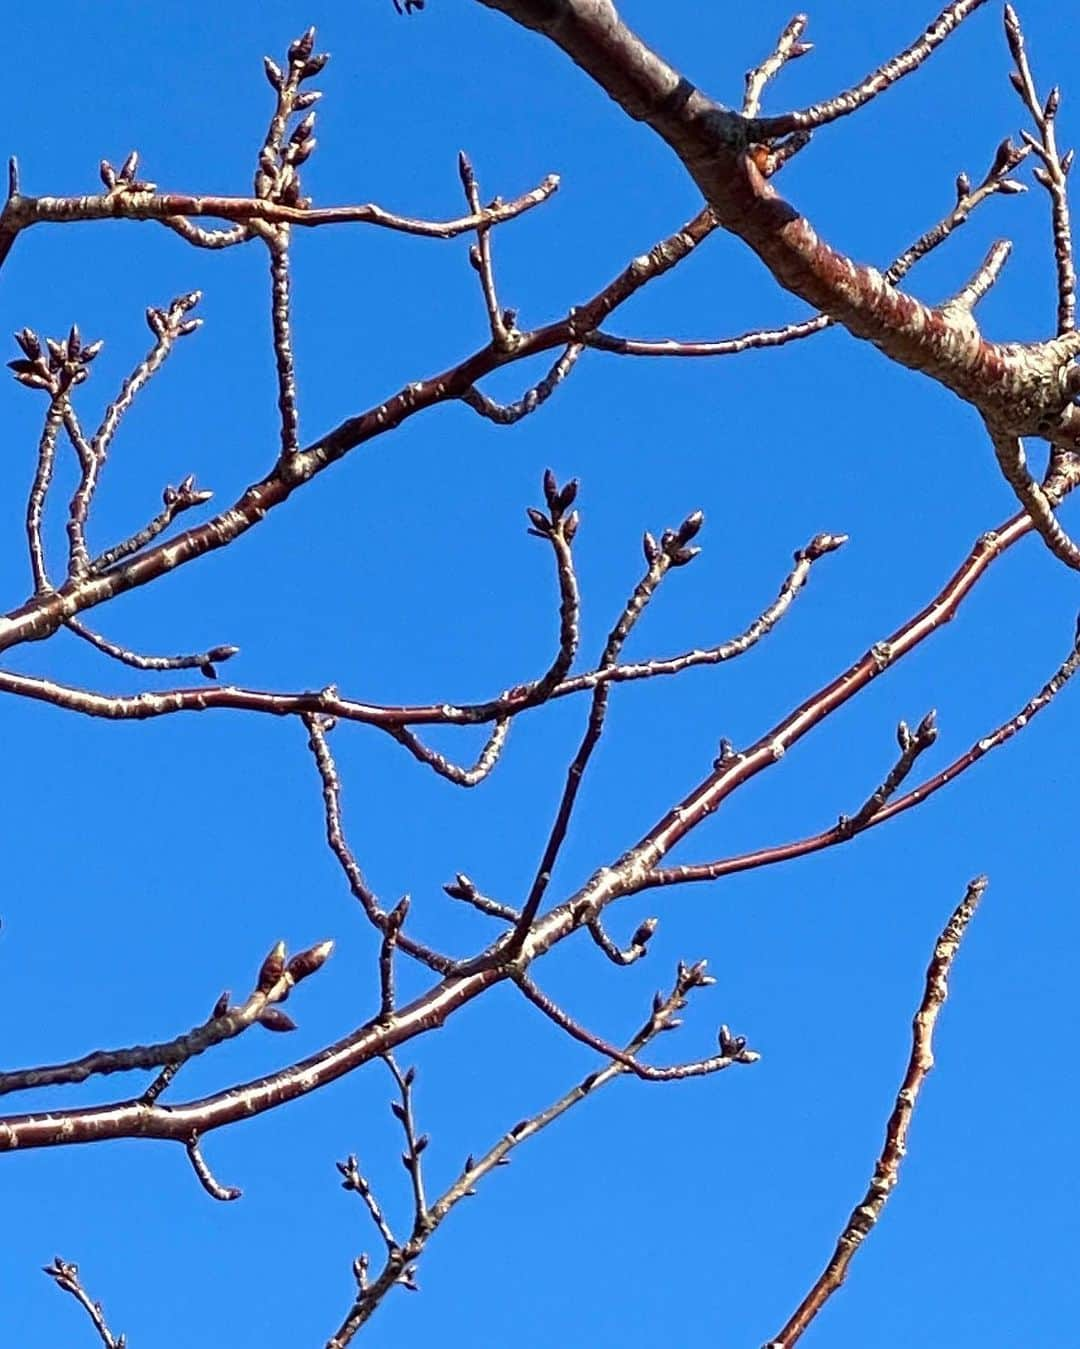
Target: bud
(307, 962)
(272, 968)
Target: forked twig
(399, 1268)
(842, 831)
(733, 1048)
(851, 100)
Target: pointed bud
(307, 962)
(272, 968)
(540, 522)
(273, 73)
(28, 341)
(303, 129)
(314, 65)
(273, 1018)
(567, 496)
(690, 526)
(644, 932)
(301, 49)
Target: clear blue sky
(148, 867)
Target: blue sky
(149, 866)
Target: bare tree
(1018, 391)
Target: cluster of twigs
(1017, 391)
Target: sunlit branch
(887, 1170)
(890, 805)
(277, 977)
(884, 77)
(400, 1258)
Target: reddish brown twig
(461, 887)
(197, 660)
(673, 550)
(399, 1268)
(997, 180)
(168, 326)
(887, 1171)
(330, 703)
(176, 500)
(507, 414)
(888, 809)
(20, 213)
(318, 729)
(501, 322)
(277, 977)
(732, 1047)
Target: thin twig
(1052, 172)
(507, 414)
(23, 212)
(168, 326)
(789, 47)
(391, 932)
(277, 243)
(204, 238)
(461, 887)
(639, 942)
(197, 660)
(502, 332)
(400, 1258)
(328, 702)
(887, 1170)
(414, 1143)
(987, 274)
(908, 61)
(842, 831)
(353, 1179)
(207, 1179)
(66, 1276)
(1036, 500)
(673, 550)
(996, 181)
(732, 1047)
(912, 745)
(176, 501)
(39, 490)
(317, 728)
(446, 768)
(225, 1022)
